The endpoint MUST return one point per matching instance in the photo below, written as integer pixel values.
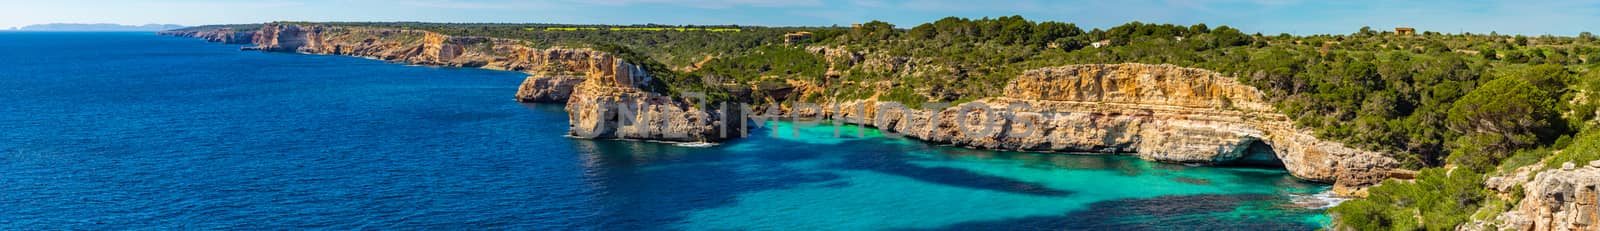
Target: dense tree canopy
(1502, 116)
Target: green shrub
(1523, 158)
(1436, 200)
(1584, 149)
(1498, 118)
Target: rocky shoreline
(1157, 112)
(224, 35)
(1160, 113)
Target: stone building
(796, 37)
(1405, 31)
(1101, 43)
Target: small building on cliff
(1405, 31)
(796, 37)
(1101, 43)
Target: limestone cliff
(430, 48)
(556, 71)
(546, 89)
(1558, 199)
(608, 108)
(225, 35)
(1157, 112)
(606, 97)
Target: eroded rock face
(557, 70)
(544, 89)
(618, 107)
(222, 35)
(595, 84)
(1157, 112)
(1559, 199)
(434, 49)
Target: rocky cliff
(610, 108)
(557, 70)
(430, 48)
(223, 35)
(1157, 112)
(607, 97)
(548, 89)
(1558, 199)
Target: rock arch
(1255, 153)
(1158, 112)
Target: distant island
(96, 27)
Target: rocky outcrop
(1559, 199)
(871, 61)
(619, 107)
(430, 48)
(556, 71)
(225, 35)
(607, 97)
(546, 89)
(1157, 112)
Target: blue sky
(1268, 16)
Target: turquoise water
(876, 182)
(131, 130)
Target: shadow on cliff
(643, 184)
(1196, 212)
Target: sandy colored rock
(616, 107)
(434, 49)
(537, 89)
(1157, 112)
(558, 70)
(586, 79)
(220, 35)
(1558, 199)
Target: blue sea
(138, 131)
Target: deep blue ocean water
(133, 130)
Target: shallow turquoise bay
(131, 130)
(877, 182)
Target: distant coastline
(95, 27)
